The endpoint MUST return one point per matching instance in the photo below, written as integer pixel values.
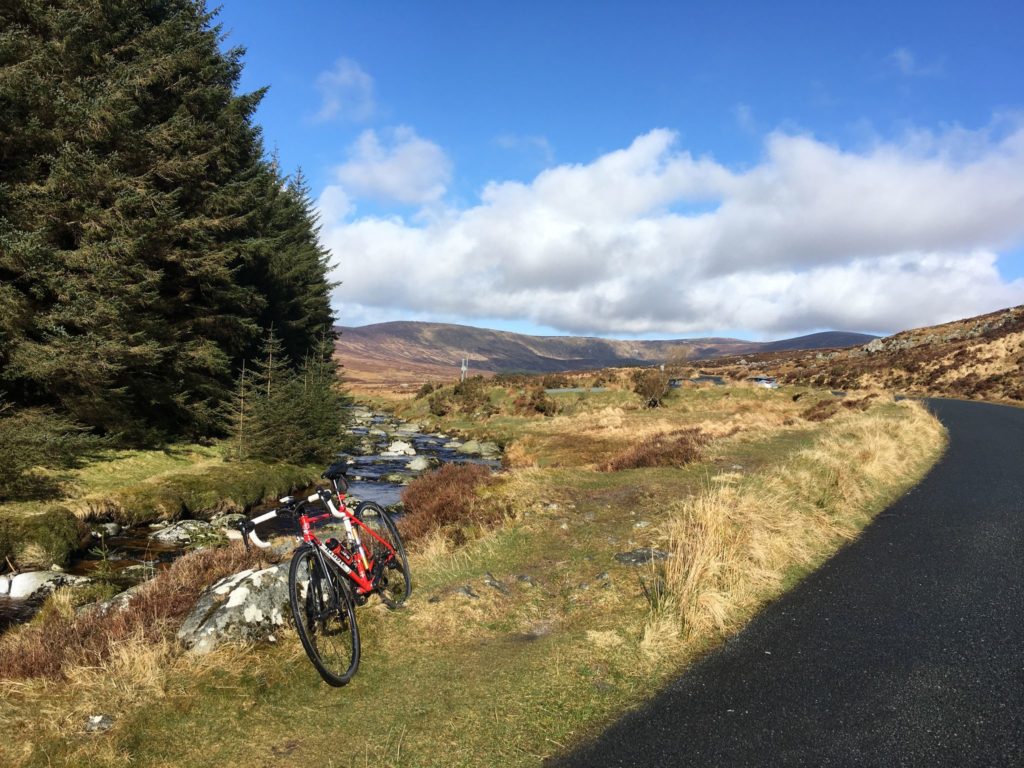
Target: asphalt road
(905, 649)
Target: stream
(388, 453)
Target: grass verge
(532, 635)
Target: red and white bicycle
(327, 579)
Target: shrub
(670, 449)
(536, 400)
(651, 384)
(859, 405)
(425, 389)
(555, 381)
(445, 498)
(821, 410)
(60, 638)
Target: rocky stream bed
(387, 454)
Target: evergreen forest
(149, 246)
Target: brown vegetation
(821, 410)
(446, 499)
(60, 637)
(979, 358)
(672, 449)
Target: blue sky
(653, 169)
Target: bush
(445, 498)
(425, 389)
(556, 381)
(671, 449)
(821, 410)
(536, 400)
(652, 385)
(469, 397)
(439, 404)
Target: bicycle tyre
(397, 590)
(324, 616)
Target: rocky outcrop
(250, 606)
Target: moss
(41, 539)
(228, 487)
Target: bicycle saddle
(337, 470)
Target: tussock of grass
(61, 639)
(672, 449)
(734, 544)
(823, 410)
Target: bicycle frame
(362, 569)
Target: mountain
(412, 352)
(978, 357)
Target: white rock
(22, 586)
(399, 448)
(248, 606)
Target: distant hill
(414, 352)
(979, 358)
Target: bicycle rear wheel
(395, 582)
(324, 616)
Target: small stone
(99, 723)
(466, 590)
(493, 583)
(527, 579)
(641, 556)
(641, 524)
(602, 576)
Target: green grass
(134, 487)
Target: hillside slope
(414, 351)
(978, 358)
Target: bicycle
(327, 579)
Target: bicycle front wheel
(395, 583)
(324, 616)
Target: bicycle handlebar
(290, 504)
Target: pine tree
(144, 238)
(286, 415)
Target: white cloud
(538, 145)
(402, 168)
(651, 239)
(744, 117)
(907, 64)
(346, 92)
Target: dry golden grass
(734, 545)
